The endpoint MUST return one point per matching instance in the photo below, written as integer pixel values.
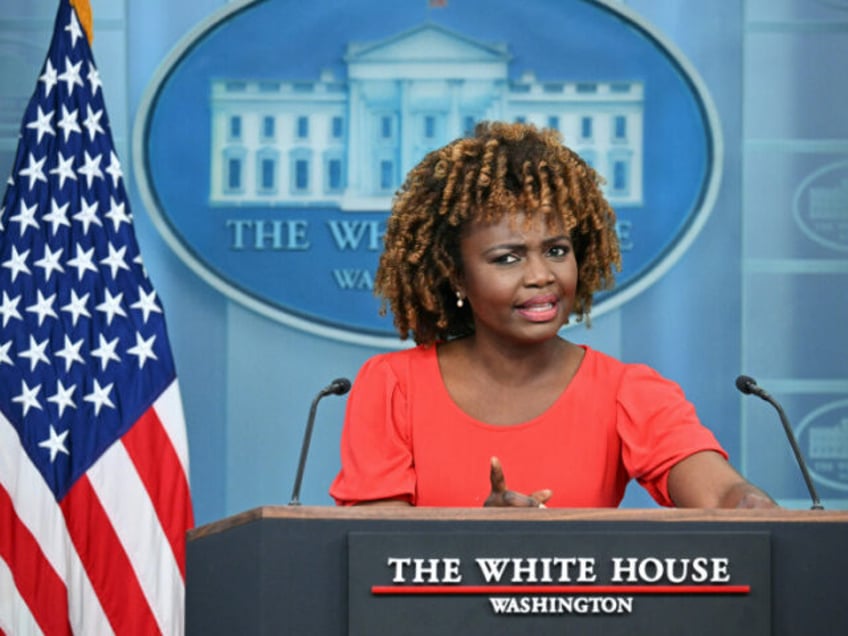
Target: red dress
(405, 438)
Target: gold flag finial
(83, 9)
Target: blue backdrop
(761, 290)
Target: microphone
(339, 386)
(748, 386)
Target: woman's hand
(706, 480)
(502, 497)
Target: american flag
(94, 493)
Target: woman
(493, 243)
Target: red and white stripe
(110, 558)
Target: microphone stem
(798, 457)
(304, 450)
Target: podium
(329, 571)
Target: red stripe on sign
(106, 562)
(161, 472)
(38, 583)
(561, 589)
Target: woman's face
(520, 281)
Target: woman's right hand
(502, 497)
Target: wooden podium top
(401, 513)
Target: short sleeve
(376, 452)
(658, 428)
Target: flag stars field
(50, 262)
(99, 396)
(115, 260)
(69, 122)
(77, 307)
(92, 122)
(26, 217)
(64, 170)
(70, 353)
(34, 171)
(55, 443)
(9, 308)
(114, 169)
(42, 124)
(49, 78)
(82, 262)
(111, 306)
(28, 397)
(62, 398)
(35, 353)
(146, 303)
(43, 307)
(87, 215)
(17, 263)
(117, 214)
(91, 169)
(106, 351)
(143, 349)
(71, 76)
(58, 215)
(74, 30)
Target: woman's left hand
(502, 497)
(706, 480)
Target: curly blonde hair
(504, 169)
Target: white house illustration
(348, 143)
(829, 203)
(830, 442)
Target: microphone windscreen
(746, 384)
(339, 386)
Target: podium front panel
(325, 571)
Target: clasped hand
(502, 497)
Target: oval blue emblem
(824, 435)
(820, 205)
(270, 143)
